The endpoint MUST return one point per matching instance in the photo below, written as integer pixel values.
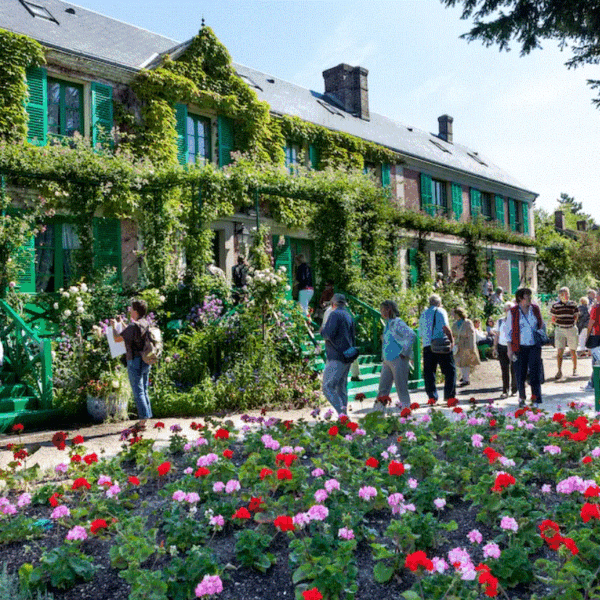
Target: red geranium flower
(284, 523)
(431, 401)
(405, 412)
(415, 406)
(494, 437)
(265, 473)
(333, 430)
(384, 400)
(241, 513)
(359, 397)
(18, 427)
(589, 511)
(418, 559)
(284, 474)
(97, 525)
(558, 417)
(54, 499)
(312, 594)
(343, 419)
(372, 462)
(493, 422)
(80, 482)
(452, 402)
(488, 580)
(457, 409)
(164, 468)
(287, 459)
(59, 439)
(227, 453)
(77, 440)
(159, 425)
(592, 492)
(202, 472)
(395, 468)
(503, 480)
(255, 503)
(586, 460)
(288, 424)
(352, 426)
(91, 458)
(21, 454)
(76, 458)
(133, 480)
(222, 434)
(491, 454)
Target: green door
(515, 278)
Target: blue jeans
(448, 368)
(138, 372)
(335, 384)
(529, 360)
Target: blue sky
(530, 115)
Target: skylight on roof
(476, 158)
(250, 81)
(35, 10)
(438, 145)
(330, 108)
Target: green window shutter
(475, 203)
(181, 128)
(385, 175)
(512, 214)
(515, 277)
(107, 245)
(426, 195)
(412, 266)
(457, 201)
(37, 106)
(102, 114)
(525, 208)
(313, 157)
(226, 140)
(282, 255)
(500, 210)
(25, 260)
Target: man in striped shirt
(564, 316)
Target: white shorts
(565, 337)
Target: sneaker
(463, 383)
(355, 378)
(521, 401)
(535, 400)
(504, 395)
(558, 375)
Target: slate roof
(84, 32)
(103, 38)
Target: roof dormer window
(35, 10)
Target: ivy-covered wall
(141, 177)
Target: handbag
(350, 354)
(592, 342)
(441, 345)
(540, 337)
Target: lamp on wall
(243, 235)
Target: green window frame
(314, 157)
(426, 195)
(37, 89)
(226, 133)
(386, 179)
(512, 214)
(198, 132)
(64, 108)
(525, 208)
(475, 203)
(486, 206)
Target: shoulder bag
(540, 337)
(441, 345)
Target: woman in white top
(500, 351)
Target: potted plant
(108, 396)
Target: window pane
(53, 118)
(72, 121)
(439, 193)
(204, 139)
(72, 96)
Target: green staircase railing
(368, 325)
(26, 355)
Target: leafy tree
(574, 23)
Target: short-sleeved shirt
(426, 324)
(133, 337)
(565, 313)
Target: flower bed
(429, 505)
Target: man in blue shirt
(338, 334)
(433, 324)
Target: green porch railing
(27, 355)
(368, 325)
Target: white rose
(83, 287)
(65, 294)
(162, 298)
(283, 269)
(73, 289)
(67, 313)
(80, 310)
(55, 306)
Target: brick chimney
(348, 85)
(559, 219)
(445, 124)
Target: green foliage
(10, 588)
(134, 544)
(251, 549)
(61, 567)
(199, 561)
(17, 52)
(145, 584)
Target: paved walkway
(104, 439)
